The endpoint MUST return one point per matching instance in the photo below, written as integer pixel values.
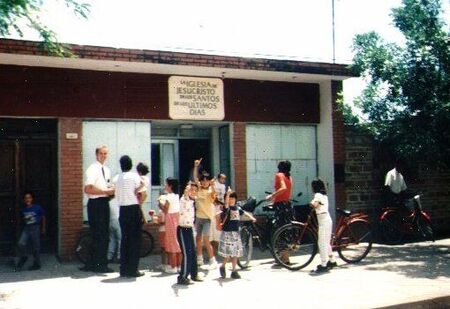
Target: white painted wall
(269, 144)
(122, 138)
(325, 149)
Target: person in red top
(282, 196)
(283, 185)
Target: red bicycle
(410, 219)
(352, 239)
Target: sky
(282, 29)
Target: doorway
(28, 161)
(190, 150)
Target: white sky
(287, 29)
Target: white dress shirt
(95, 177)
(395, 181)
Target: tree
(407, 98)
(13, 11)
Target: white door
(269, 144)
(164, 164)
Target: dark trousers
(130, 219)
(31, 235)
(98, 216)
(186, 241)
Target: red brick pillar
(338, 145)
(240, 159)
(70, 185)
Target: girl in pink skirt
(170, 205)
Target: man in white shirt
(395, 186)
(99, 190)
(127, 185)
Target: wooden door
(37, 167)
(8, 197)
(27, 165)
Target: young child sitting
(320, 205)
(230, 244)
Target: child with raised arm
(230, 244)
(320, 205)
(185, 236)
(204, 213)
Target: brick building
(163, 108)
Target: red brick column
(240, 159)
(338, 145)
(70, 186)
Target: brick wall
(240, 159)
(338, 145)
(70, 186)
(365, 168)
(361, 188)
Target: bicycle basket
(248, 205)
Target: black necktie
(103, 173)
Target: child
(220, 190)
(204, 213)
(230, 244)
(320, 205)
(170, 205)
(142, 170)
(34, 223)
(185, 236)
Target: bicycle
(352, 239)
(83, 249)
(262, 235)
(408, 219)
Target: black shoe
(321, 269)
(35, 266)
(331, 265)
(197, 279)
(104, 270)
(235, 275)
(86, 268)
(136, 274)
(19, 265)
(223, 272)
(183, 281)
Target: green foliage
(13, 11)
(407, 99)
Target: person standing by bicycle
(99, 190)
(395, 186)
(130, 218)
(282, 196)
(320, 204)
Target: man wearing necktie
(99, 190)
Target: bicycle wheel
(391, 227)
(83, 250)
(294, 246)
(354, 241)
(147, 244)
(247, 244)
(424, 228)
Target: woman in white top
(320, 205)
